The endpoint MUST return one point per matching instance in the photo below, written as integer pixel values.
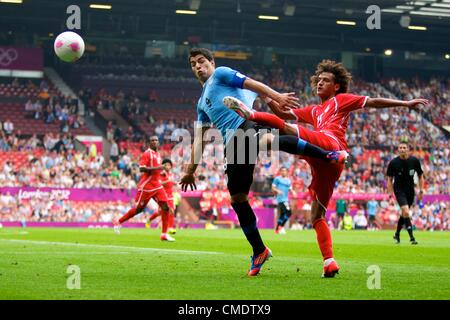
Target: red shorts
(324, 175)
(144, 196)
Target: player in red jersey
(149, 186)
(167, 183)
(331, 82)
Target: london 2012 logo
(8, 56)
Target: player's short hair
(341, 75)
(283, 168)
(203, 51)
(403, 142)
(167, 161)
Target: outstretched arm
(284, 100)
(285, 114)
(392, 103)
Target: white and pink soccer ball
(69, 46)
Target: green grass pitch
(212, 264)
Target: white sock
(328, 261)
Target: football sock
(399, 225)
(127, 216)
(294, 145)
(324, 238)
(165, 220)
(154, 216)
(408, 226)
(171, 220)
(286, 218)
(247, 220)
(268, 119)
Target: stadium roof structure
(298, 24)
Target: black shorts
(284, 209)
(240, 173)
(404, 198)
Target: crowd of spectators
(372, 137)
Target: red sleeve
(145, 160)
(349, 102)
(304, 114)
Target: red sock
(268, 119)
(165, 220)
(324, 238)
(154, 216)
(127, 216)
(171, 220)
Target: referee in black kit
(402, 170)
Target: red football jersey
(150, 181)
(168, 186)
(331, 117)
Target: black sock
(408, 226)
(247, 220)
(399, 225)
(286, 218)
(294, 145)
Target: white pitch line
(88, 245)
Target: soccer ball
(69, 46)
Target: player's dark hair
(341, 75)
(203, 51)
(405, 143)
(167, 161)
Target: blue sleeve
(230, 77)
(275, 182)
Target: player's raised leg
(142, 198)
(290, 142)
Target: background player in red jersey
(167, 183)
(331, 83)
(149, 186)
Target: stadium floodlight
(405, 7)
(441, 5)
(447, 56)
(11, 1)
(431, 14)
(268, 17)
(392, 10)
(347, 23)
(185, 12)
(100, 6)
(420, 28)
(440, 10)
(388, 52)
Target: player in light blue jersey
(281, 186)
(219, 83)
